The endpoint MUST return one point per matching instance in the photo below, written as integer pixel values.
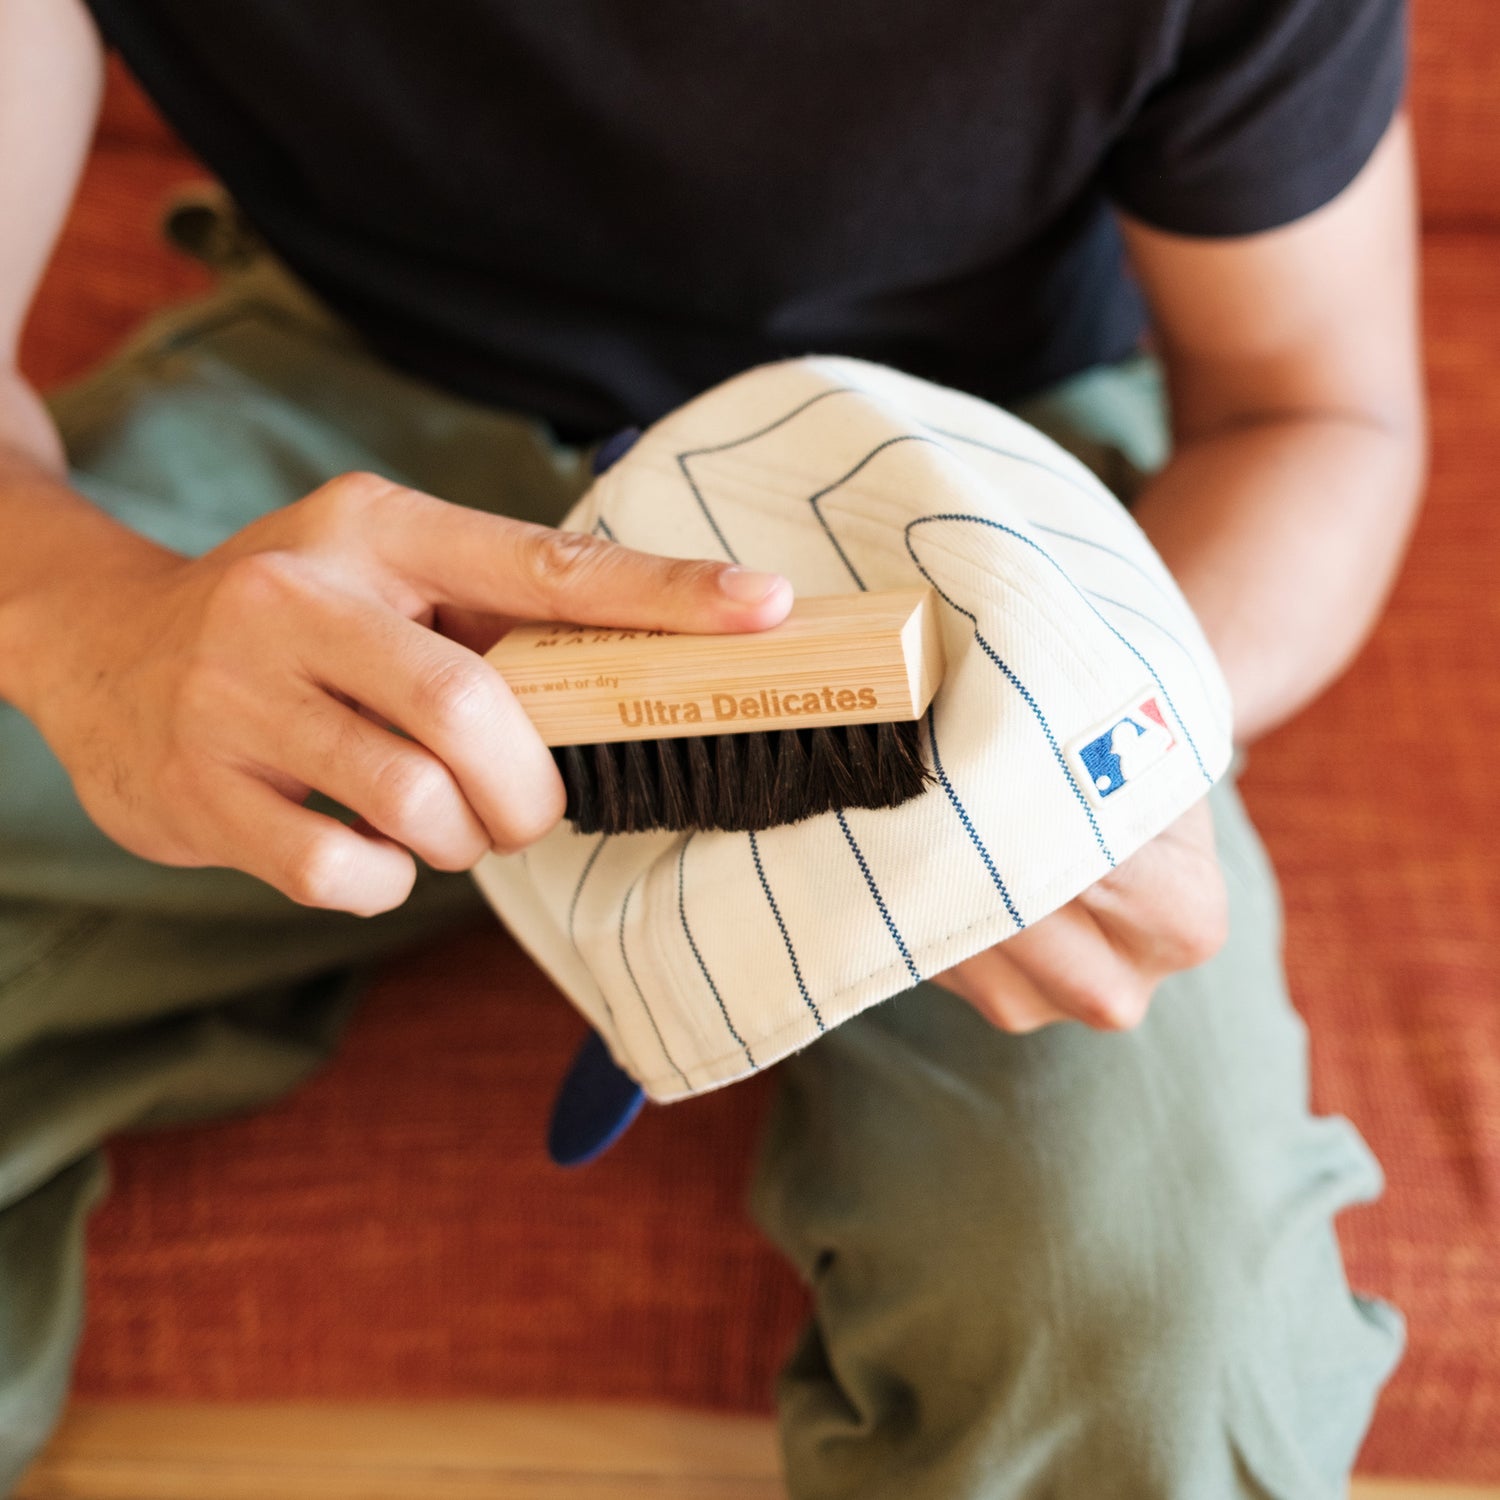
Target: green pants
(1066, 1265)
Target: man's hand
(197, 703)
(1099, 958)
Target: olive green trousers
(1067, 1264)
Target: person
(1074, 1236)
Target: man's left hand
(1099, 958)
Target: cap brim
(594, 1107)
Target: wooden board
(841, 659)
(437, 1451)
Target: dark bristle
(609, 795)
(900, 771)
(830, 782)
(701, 798)
(888, 758)
(674, 809)
(789, 789)
(818, 751)
(573, 767)
(741, 781)
(727, 803)
(859, 751)
(638, 778)
(758, 807)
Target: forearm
(56, 543)
(1285, 535)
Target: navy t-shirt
(593, 209)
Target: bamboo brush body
(652, 730)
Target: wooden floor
(436, 1452)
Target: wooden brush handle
(842, 659)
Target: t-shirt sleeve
(1266, 110)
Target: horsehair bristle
(700, 779)
(672, 784)
(829, 782)
(757, 781)
(642, 806)
(845, 788)
(609, 795)
(736, 782)
(726, 773)
(789, 791)
(572, 765)
(906, 766)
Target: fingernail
(746, 587)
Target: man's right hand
(197, 702)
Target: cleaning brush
(652, 730)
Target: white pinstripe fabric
(702, 958)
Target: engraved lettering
(763, 703)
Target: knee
(1148, 1308)
(1095, 1325)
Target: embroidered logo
(1122, 749)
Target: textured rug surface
(395, 1228)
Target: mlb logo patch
(1120, 751)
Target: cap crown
(1081, 712)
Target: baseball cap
(1082, 711)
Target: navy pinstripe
(947, 785)
(1098, 614)
(786, 938)
(966, 820)
(1026, 697)
(687, 932)
(625, 907)
(1088, 541)
(739, 442)
(1092, 487)
(594, 854)
(885, 916)
(1155, 624)
(1141, 572)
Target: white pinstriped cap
(1082, 712)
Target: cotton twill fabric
(702, 958)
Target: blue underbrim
(613, 449)
(594, 1106)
